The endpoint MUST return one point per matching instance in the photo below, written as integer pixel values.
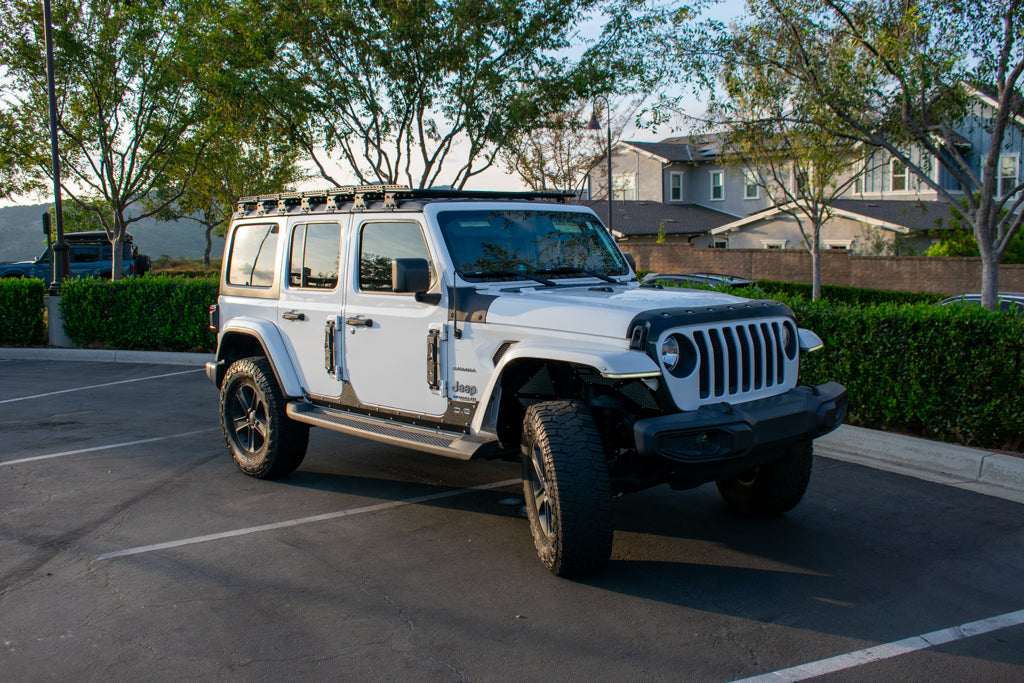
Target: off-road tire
(566, 486)
(264, 442)
(773, 488)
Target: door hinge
(330, 347)
(434, 359)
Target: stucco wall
(905, 273)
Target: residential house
(681, 190)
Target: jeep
(506, 325)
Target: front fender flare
(610, 362)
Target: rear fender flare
(269, 338)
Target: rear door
(310, 302)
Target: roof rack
(333, 199)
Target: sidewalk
(992, 474)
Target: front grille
(738, 359)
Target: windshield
(506, 244)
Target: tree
(958, 239)
(558, 154)
(230, 168)
(900, 77)
(82, 215)
(422, 93)
(126, 110)
(766, 129)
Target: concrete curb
(107, 356)
(968, 468)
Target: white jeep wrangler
(480, 325)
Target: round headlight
(789, 340)
(670, 353)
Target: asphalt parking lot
(131, 547)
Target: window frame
(720, 185)
(1000, 177)
(750, 180)
(274, 228)
(905, 175)
(674, 176)
(291, 253)
(358, 274)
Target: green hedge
(22, 312)
(849, 295)
(157, 313)
(954, 373)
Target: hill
(21, 236)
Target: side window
(85, 254)
(314, 259)
(379, 244)
(252, 255)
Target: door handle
(293, 315)
(359, 322)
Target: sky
(496, 177)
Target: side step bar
(427, 439)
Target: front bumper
(723, 439)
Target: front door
(309, 307)
(393, 343)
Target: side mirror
(630, 260)
(410, 275)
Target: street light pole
(596, 125)
(61, 264)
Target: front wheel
(773, 488)
(566, 486)
(264, 442)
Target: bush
(848, 295)
(948, 372)
(22, 311)
(157, 313)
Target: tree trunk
(209, 246)
(816, 262)
(989, 279)
(117, 257)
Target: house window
(841, 245)
(773, 244)
(1007, 174)
(625, 187)
(719, 243)
(751, 187)
(675, 191)
(717, 185)
(858, 180)
(899, 176)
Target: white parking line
(390, 505)
(106, 447)
(889, 650)
(98, 386)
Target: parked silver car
(1009, 302)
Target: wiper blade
(518, 274)
(568, 270)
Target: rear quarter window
(253, 251)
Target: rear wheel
(773, 488)
(566, 486)
(264, 442)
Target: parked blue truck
(89, 254)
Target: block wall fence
(903, 273)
